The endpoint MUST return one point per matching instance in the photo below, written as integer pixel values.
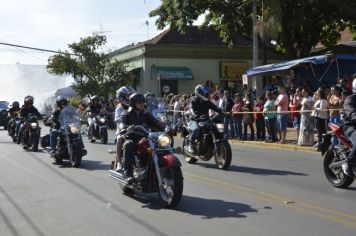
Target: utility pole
(257, 85)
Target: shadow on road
(94, 165)
(206, 208)
(253, 170)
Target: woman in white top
(306, 135)
(320, 115)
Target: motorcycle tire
(171, 175)
(338, 181)
(58, 158)
(224, 165)
(35, 139)
(190, 160)
(126, 190)
(104, 136)
(77, 155)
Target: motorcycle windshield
(152, 104)
(69, 115)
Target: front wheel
(104, 136)
(223, 155)
(35, 139)
(335, 176)
(172, 186)
(77, 155)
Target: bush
(75, 101)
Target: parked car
(3, 113)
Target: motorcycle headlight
(102, 120)
(163, 119)
(164, 141)
(34, 125)
(220, 127)
(74, 129)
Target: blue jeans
(335, 120)
(53, 138)
(237, 123)
(271, 125)
(228, 122)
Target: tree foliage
(91, 68)
(296, 25)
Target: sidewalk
(291, 142)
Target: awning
(173, 73)
(316, 60)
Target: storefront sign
(232, 70)
(173, 73)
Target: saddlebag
(45, 141)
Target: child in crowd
(259, 120)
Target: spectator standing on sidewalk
(335, 102)
(270, 118)
(282, 106)
(295, 106)
(237, 118)
(306, 134)
(247, 119)
(320, 116)
(227, 107)
(259, 120)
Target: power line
(37, 49)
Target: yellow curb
(274, 145)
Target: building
(173, 62)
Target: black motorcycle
(11, 127)
(32, 131)
(210, 143)
(100, 128)
(69, 142)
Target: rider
(27, 109)
(122, 97)
(94, 108)
(200, 105)
(13, 112)
(350, 128)
(136, 116)
(61, 103)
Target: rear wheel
(223, 155)
(190, 160)
(104, 136)
(335, 176)
(172, 186)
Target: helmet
(16, 104)
(354, 86)
(149, 95)
(135, 98)
(61, 101)
(202, 92)
(123, 94)
(28, 100)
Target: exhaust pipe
(118, 177)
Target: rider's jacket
(13, 112)
(143, 118)
(95, 109)
(201, 107)
(26, 110)
(350, 112)
(55, 119)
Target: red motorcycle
(335, 156)
(155, 168)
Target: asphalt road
(265, 192)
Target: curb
(274, 145)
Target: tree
(300, 24)
(91, 69)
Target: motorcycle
(32, 132)
(335, 156)
(99, 129)
(155, 168)
(69, 142)
(210, 143)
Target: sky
(53, 24)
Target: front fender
(171, 160)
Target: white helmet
(354, 86)
(123, 94)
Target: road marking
(304, 207)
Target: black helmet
(149, 95)
(202, 92)
(61, 101)
(28, 100)
(95, 98)
(16, 104)
(136, 98)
